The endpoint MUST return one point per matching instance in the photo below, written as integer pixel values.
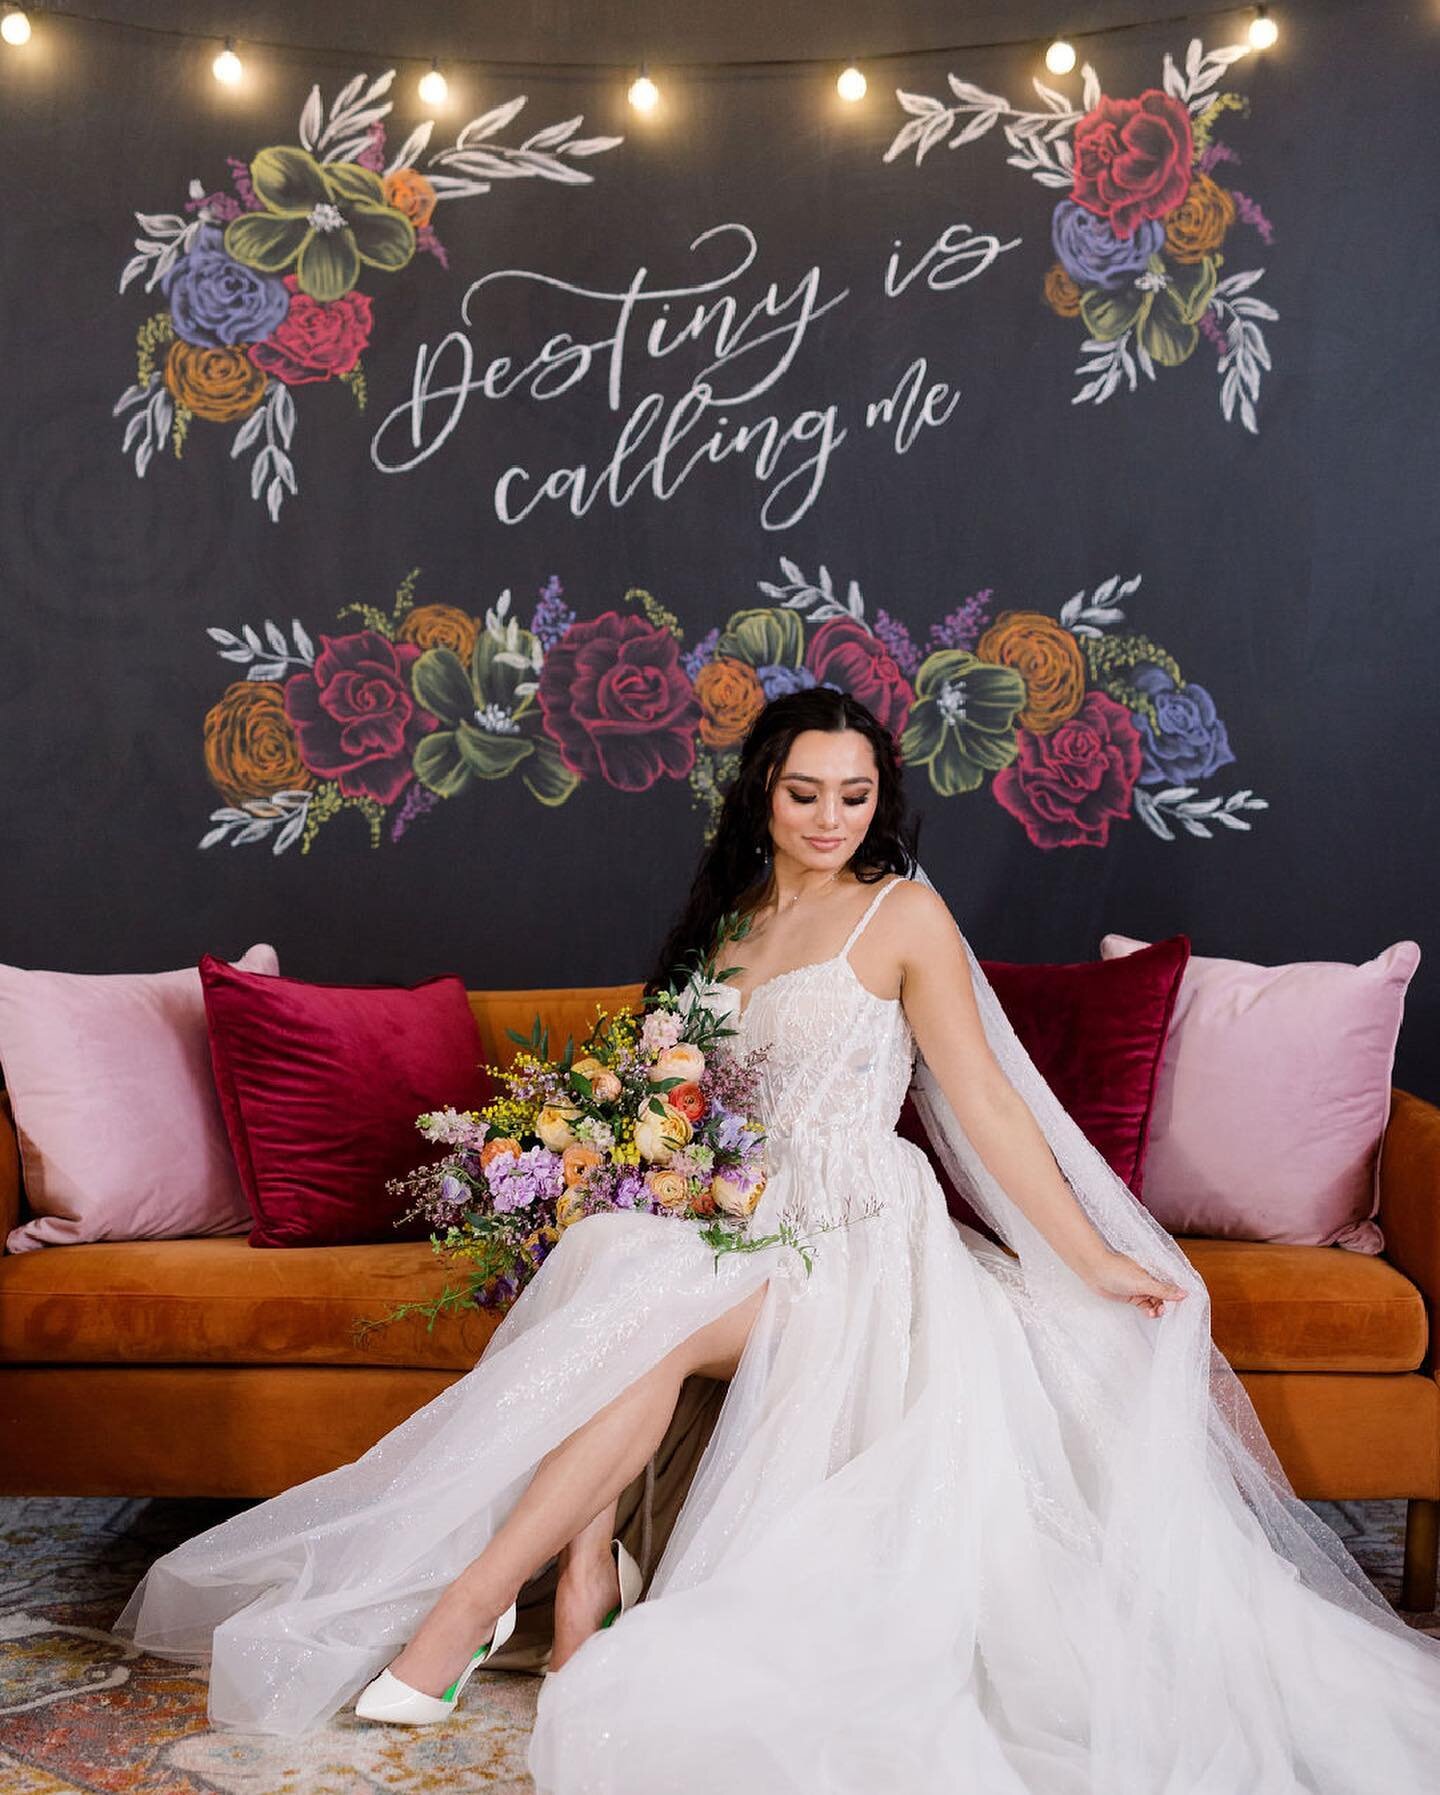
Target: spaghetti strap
(872, 907)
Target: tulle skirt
(897, 1566)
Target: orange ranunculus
(440, 626)
(250, 746)
(218, 385)
(577, 1163)
(1062, 293)
(689, 1099)
(569, 1208)
(731, 698)
(495, 1146)
(668, 1189)
(409, 192)
(1047, 657)
(1197, 226)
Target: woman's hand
(1119, 1277)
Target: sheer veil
(1159, 1419)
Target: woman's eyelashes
(849, 803)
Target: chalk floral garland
(261, 284)
(1076, 722)
(1138, 237)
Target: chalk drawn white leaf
(304, 647)
(923, 105)
(489, 123)
(267, 670)
(406, 155)
(551, 135)
(1090, 88)
(312, 118)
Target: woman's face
(823, 798)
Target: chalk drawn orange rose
(1047, 657)
(409, 192)
(731, 698)
(218, 385)
(250, 746)
(1197, 227)
(440, 626)
(1062, 294)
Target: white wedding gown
(910, 1559)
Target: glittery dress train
(887, 1574)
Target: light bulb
(227, 66)
(851, 85)
(1263, 30)
(15, 26)
(644, 94)
(433, 86)
(1060, 57)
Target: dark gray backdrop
(1290, 573)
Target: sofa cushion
(1273, 1098)
(1274, 1308)
(220, 1302)
(120, 1132)
(1304, 1308)
(320, 1086)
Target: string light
(227, 66)
(433, 85)
(1060, 57)
(644, 94)
(15, 26)
(1263, 30)
(851, 84)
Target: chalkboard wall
(400, 527)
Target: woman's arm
(939, 998)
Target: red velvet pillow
(1097, 1041)
(320, 1086)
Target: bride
(971, 1515)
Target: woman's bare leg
(574, 1488)
(588, 1586)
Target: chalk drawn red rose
(617, 702)
(313, 341)
(1132, 159)
(855, 659)
(355, 717)
(1067, 787)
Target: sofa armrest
(9, 1171)
(1410, 1201)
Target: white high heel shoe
(631, 1580)
(388, 1699)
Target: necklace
(796, 896)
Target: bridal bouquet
(654, 1113)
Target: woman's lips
(823, 841)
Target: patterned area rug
(81, 1711)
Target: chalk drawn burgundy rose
(355, 719)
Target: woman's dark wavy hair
(732, 875)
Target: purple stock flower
(1093, 255)
(1191, 741)
(216, 301)
(962, 627)
(552, 615)
(899, 644)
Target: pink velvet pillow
(1273, 1098)
(121, 1136)
(1096, 1032)
(320, 1086)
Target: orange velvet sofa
(207, 1367)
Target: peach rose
(1047, 657)
(218, 385)
(657, 1137)
(684, 1060)
(668, 1189)
(1062, 293)
(440, 626)
(604, 1085)
(250, 746)
(1197, 226)
(495, 1146)
(689, 1099)
(734, 1199)
(731, 698)
(409, 192)
(577, 1163)
(553, 1125)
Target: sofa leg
(1422, 1549)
